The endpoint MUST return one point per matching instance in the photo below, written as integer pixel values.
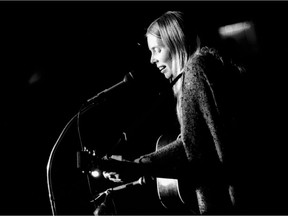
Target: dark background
(56, 55)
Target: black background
(56, 55)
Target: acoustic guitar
(176, 194)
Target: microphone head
(128, 77)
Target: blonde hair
(182, 42)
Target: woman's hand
(112, 176)
(122, 172)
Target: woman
(201, 148)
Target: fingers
(112, 176)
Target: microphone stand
(49, 165)
(85, 107)
(99, 98)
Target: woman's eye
(157, 50)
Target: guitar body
(176, 194)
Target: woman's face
(160, 55)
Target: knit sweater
(200, 149)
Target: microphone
(128, 78)
(140, 181)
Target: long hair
(180, 38)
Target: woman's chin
(167, 75)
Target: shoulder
(207, 64)
(204, 70)
(204, 59)
(199, 65)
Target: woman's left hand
(112, 176)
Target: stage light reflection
(234, 29)
(95, 173)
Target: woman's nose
(152, 59)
